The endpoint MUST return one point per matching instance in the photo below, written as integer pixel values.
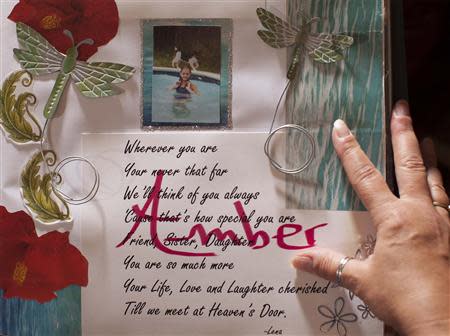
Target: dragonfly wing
(338, 42)
(275, 24)
(36, 64)
(110, 72)
(325, 55)
(32, 41)
(93, 84)
(276, 40)
(327, 48)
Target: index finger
(367, 181)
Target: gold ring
(441, 205)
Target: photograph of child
(186, 72)
(184, 87)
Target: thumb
(324, 263)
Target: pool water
(170, 107)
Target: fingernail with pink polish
(341, 128)
(304, 263)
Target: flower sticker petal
(98, 20)
(32, 267)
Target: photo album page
(163, 162)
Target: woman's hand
(405, 281)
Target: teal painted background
(60, 317)
(352, 90)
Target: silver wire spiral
(57, 178)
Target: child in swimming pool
(184, 86)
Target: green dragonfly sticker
(323, 48)
(93, 80)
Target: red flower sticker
(33, 267)
(98, 20)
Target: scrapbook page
(163, 161)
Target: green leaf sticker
(38, 192)
(14, 111)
